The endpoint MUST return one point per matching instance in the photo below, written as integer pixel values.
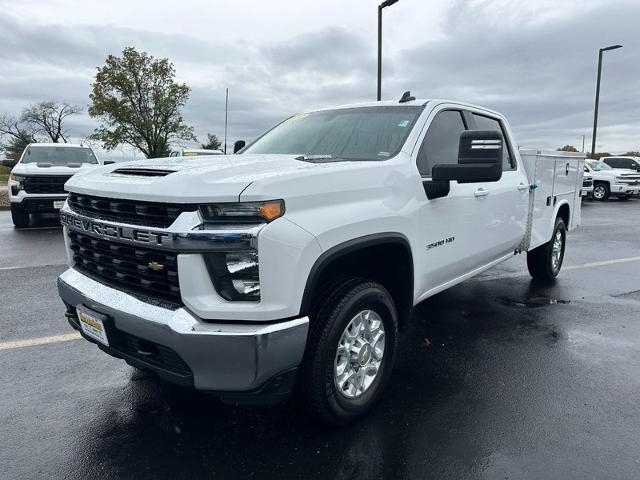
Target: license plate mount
(92, 324)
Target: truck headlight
(15, 182)
(242, 212)
(235, 275)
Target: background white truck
(36, 183)
(609, 181)
(295, 264)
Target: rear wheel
(601, 191)
(19, 216)
(545, 262)
(350, 352)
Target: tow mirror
(238, 145)
(8, 163)
(479, 159)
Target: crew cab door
(476, 223)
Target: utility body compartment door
(557, 177)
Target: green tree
(567, 148)
(138, 102)
(213, 143)
(15, 136)
(632, 154)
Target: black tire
(601, 191)
(317, 388)
(540, 261)
(20, 217)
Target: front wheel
(19, 216)
(601, 191)
(350, 352)
(545, 262)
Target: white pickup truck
(609, 181)
(294, 264)
(36, 183)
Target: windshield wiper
(325, 159)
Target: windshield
(362, 133)
(598, 165)
(58, 156)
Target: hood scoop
(143, 172)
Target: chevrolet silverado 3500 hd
(294, 264)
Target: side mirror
(108, 162)
(238, 145)
(479, 159)
(8, 163)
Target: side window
(486, 123)
(441, 143)
(614, 162)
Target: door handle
(566, 169)
(522, 187)
(481, 192)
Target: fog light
(247, 287)
(242, 262)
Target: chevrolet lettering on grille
(116, 232)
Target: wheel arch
(394, 256)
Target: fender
(342, 249)
(556, 210)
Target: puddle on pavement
(533, 302)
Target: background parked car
(194, 152)
(623, 162)
(608, 181)
(587, 184)
(36, 183)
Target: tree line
(597, 155)
(136, 100)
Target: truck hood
(220, 178)
(39, 169)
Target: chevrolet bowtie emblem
(155, 266)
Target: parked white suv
(623, 162)
(608, 181)
(298, 261)
(36, 183)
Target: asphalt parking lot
(498, 377)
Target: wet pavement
(497, 377)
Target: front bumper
(231, 359)
(625, 189)
(586, 191)
(35, 203)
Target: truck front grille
(587, 183)
(45, 183)
(143, 271)
(133, 212)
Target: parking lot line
(602, 263)
(30, 342)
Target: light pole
(386, 3)
(226, 115)
(595, 110)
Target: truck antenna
(406, 97)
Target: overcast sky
(535, 61)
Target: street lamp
(386, 3)
(595, 110)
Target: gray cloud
(539, 71)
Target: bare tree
(15, 136)
(47, 118)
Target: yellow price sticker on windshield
(298, 117)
